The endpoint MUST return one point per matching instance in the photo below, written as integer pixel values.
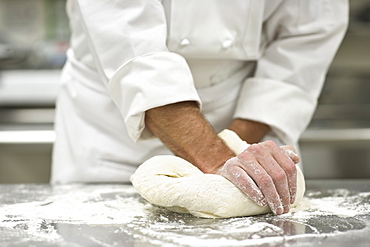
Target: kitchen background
(33, 40)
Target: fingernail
(279, 210)
(292, 199)
(286, 208)
(293, 191)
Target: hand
(266, 173)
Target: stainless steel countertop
(333, 213)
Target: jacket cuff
(286, 108)
(150, 81)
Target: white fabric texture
(301, 38)
(128, 56)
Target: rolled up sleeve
(128, 42)
(302, 38)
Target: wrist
(185, 131)
(248, 130)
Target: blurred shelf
(29, 87)
(27, 137)
(337, 137)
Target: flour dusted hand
(266, 174)
(176, 184)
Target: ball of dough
(176, 184)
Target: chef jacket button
(227, 43)
(184, 42)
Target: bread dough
(176, 184)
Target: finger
(281, 169)
(291, 170)
(268, 189)
(264, 155)
(282, 187)
(235, 174)
(289, 173)
(291, 152)
(261, 176)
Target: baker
(150, 77)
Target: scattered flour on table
(109, 205)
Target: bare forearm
(263, 171)
(249, 131)
(184, 130)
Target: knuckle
(256, 149)
(280, 176)
(290, 168)
(227, 168)
(231, 162)
(244, 155)
(264, 181)
(228, 165)
(270, 144)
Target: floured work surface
(333, 213)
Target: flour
(118, 210)
(172, 182)
(340, 202)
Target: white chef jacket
(263, 60)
